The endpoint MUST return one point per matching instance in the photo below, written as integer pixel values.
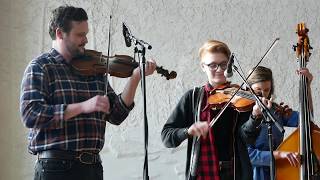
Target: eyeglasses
(214, 66)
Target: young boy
(222, 152)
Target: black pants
(226, 174)
(56, 169)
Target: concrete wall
(176, 29)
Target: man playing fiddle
(223, 153)
(67, 112)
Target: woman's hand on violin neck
(149, 69)
(257, 111)
(199, 129)
(96, 104)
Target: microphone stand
(140, 49)
(268, 119)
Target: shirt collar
(209, 88)
(57, 56)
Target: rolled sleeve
(124, 106)
(119, 110)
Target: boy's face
(214, 65)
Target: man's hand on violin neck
(199, 129)
(96, 104)
(149, 68)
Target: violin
(93, 62)
(243, 101)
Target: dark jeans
(56, 169)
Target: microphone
(228, 72)
(126, 34)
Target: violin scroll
(165, 73)
(283, 110)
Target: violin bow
(106, 81)
(108, 55)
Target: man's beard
(75, 50)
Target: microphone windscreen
(126, 35)
(227, 75)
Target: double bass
(306, 138)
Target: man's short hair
(63, 16)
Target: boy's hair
(214, 46)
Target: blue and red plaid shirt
(49, 84)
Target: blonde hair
(214, 46)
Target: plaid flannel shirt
(208, 168)
(49, 84)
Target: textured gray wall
(176, 29)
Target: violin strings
(240, 93)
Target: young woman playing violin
(223, 146)
(261, 82)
